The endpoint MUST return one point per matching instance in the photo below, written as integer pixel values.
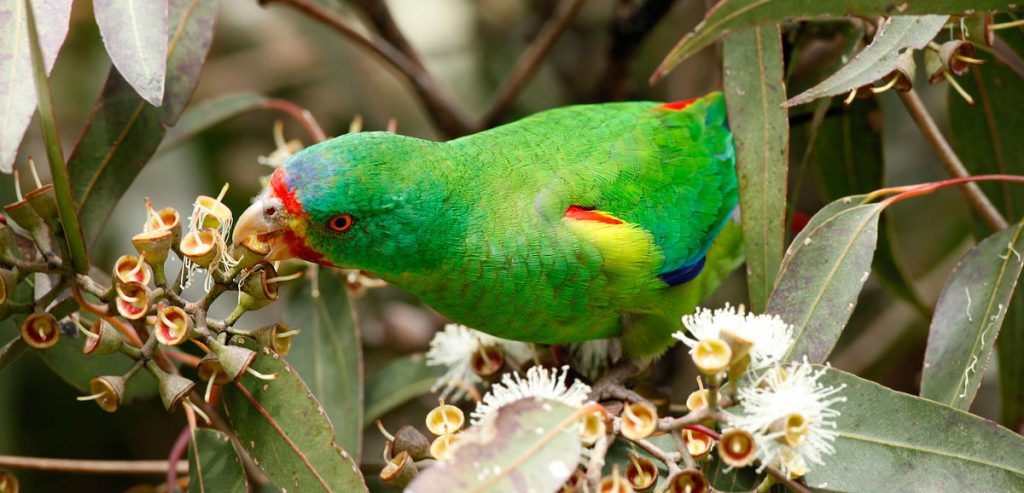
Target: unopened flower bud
(202, 247)
(614, 483)
(487, 360)
(399, 471)
(106, 391)
(688, 481)
(592, 427)
(697, 444)
(132, 300)
(101, 339)
(711, 356)
(40, 330)
(410, 440)
(641, 472)
(441, 449)
(737, 448)
(445, 419)
(130, 268)
(172, 325)
(639, 420)
(173, 388)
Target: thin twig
(972, 191)
(784, 479)
(530, 61)
(300, 114)
(378, 13)
(91, 466)
(597, 456)
(441, 107)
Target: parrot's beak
(265, 222)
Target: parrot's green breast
(568, 225)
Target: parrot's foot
(610, 387)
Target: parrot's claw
(610, 387)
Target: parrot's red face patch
(280, 190)
(589, 214)
(678, 105)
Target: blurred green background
(469, 46)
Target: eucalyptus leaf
(822, 275)
(135, 35)
(968, 317)
(124, 131)
(986, 136)
(285, 429)
(891, 441)
(17, 88)
(328, 352)
(754, 91)
(213, 464)
(531, 445)
(730, 15)
(403, 380)
(879, 58)
(10, 352)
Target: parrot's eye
(340, 222)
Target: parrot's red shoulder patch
(291, 203)
(589, 214)
(678, 105)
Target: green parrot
(578, 223)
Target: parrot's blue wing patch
(683, 274)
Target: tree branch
(377, 12)
(630, 26)
(972, 191)
(530, 61)
(440, 106)
(91, 466)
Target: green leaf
(293, 443)
(218, 468)
(67, 361)
(729, 15)
(210, 113)
(135, 34)
(822, 274)
(17, 91)
(987, 137)
(329, 353)
(968, 317)
(879, 58)
(124, 131)
(531, 445)
(754, 90)
(404, 379)
(891, 441)
(10, 352)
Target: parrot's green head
(368, 201)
